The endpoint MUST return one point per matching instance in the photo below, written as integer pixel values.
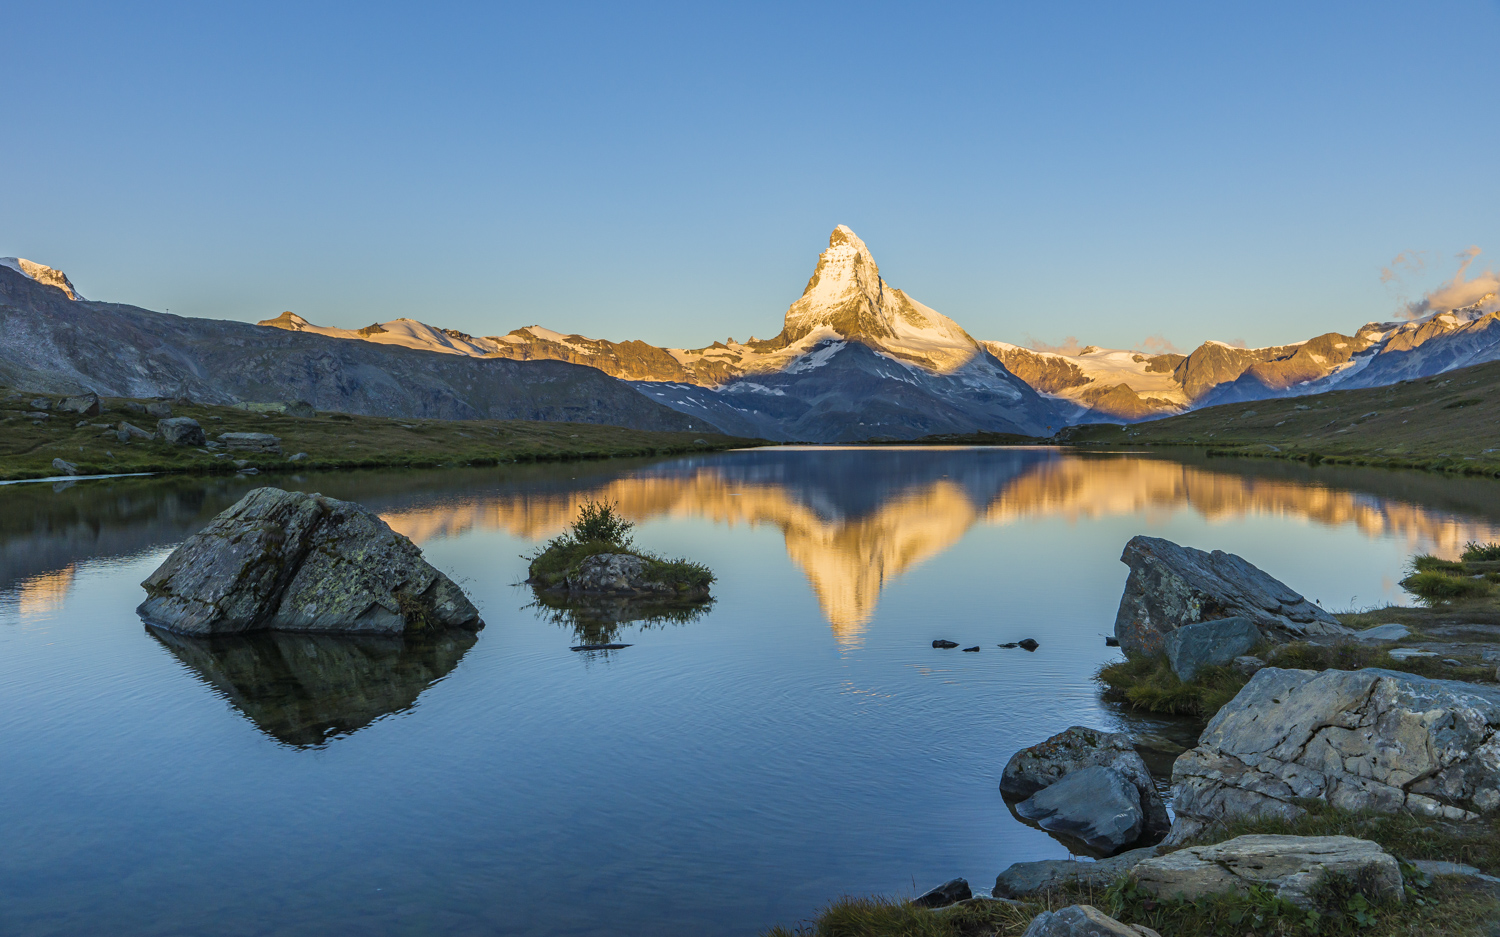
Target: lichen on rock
(293, 561)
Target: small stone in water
(971, 650)
(1011, 644)
(1111, 641)
(941, 643)
(1028, 644)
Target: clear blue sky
(669, 172)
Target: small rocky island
(292, 561)
(596, 580)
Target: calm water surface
(799, 741)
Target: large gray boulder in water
(1361, 740)
(292, 561)
(1170, 586)
(1032, 769)
(1096, 805)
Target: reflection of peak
(305, 689)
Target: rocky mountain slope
(855, 359)
(51, 340)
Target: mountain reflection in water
(305, 689)
(855, 519)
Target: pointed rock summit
(42, 274)
(847, 297)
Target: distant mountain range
(855, 359)
(52, 342)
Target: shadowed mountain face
(51, 343)
(306, 689)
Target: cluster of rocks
(1368, 740)
(292, 561)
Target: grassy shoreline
(1447, 423)
(330, 440)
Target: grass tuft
(1148, 683)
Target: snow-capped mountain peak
(847, 296)
(42, 274)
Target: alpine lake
(734, 767)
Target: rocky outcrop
(1292, 867)
(1190, 648)
(251, 442)
(66, 468)
(1170, 586)
(1096, 805)
(292, 561)
(1034, 769)
(1360, 740)
(1028, 879)
(181, 431)
(1083, 920)
(50, 343)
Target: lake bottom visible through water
(798, 740)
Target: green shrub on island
(600, 529)
(1475, 552)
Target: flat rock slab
(1170, 586)
(1291, 866)
(292, 561)
(1190, 648)
(1096, 805)
(1083, 920)
(1381, 633)
(1025, 879)
(252, 442)
(1361, 740)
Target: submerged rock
(1292, 867)
(1083, 920)
(945, 894)
(941, 643)
(292, 561)
(1170, 586)
(1033, 769)
(1361, 740)
(1190, 648)
(1027, 644)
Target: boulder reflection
(304, 690)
